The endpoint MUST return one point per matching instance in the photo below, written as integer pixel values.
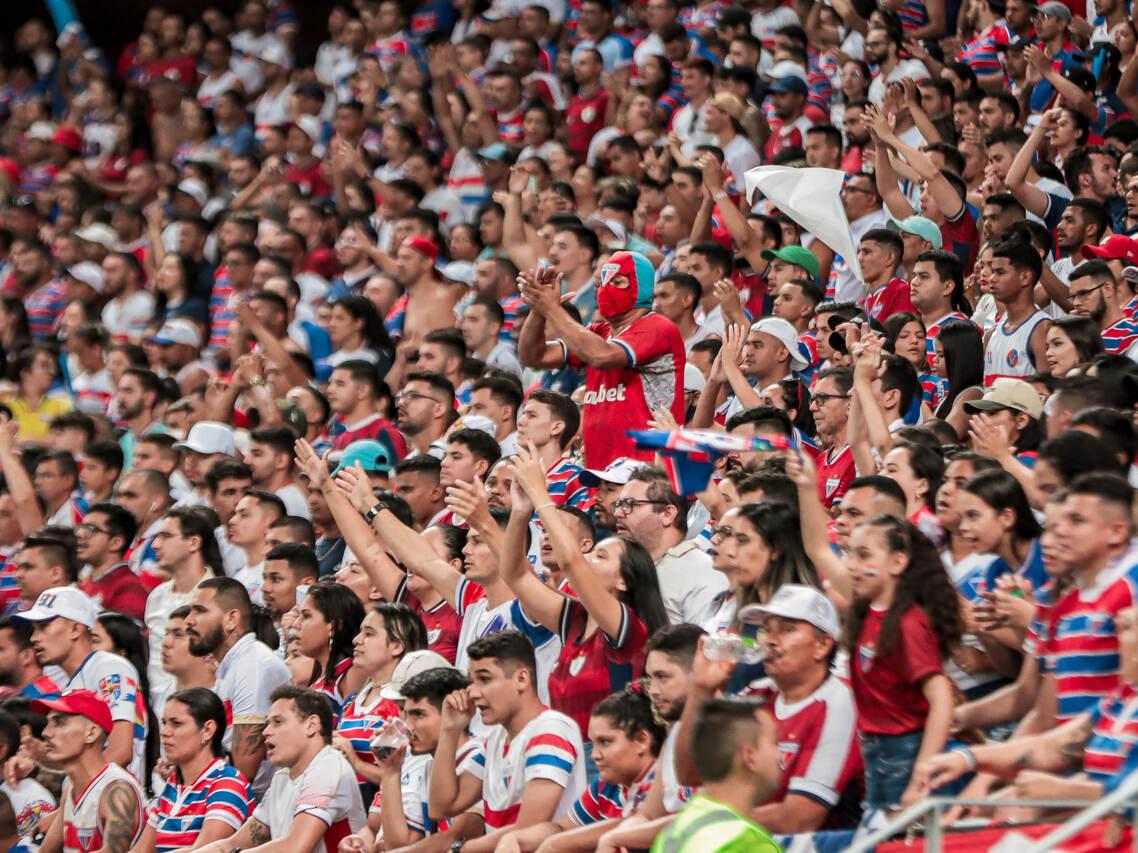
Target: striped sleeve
(599, 802)
(466, 593)
(539, 635)
(551, 753)
(228, 801)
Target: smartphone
(301, 594)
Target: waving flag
(690, 454)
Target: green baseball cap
(371, 455)
(924, 228)
(796, 256)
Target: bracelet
(969, 755)
(544, 505)
(719, 195)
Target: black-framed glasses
(87, 527)
(413, 395)
(626, 505)
(1083, 294)
(822, 399)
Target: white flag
(812, 198)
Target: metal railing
(931, 812)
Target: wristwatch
(370, 515)
(456, 845)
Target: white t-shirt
(764, 25)
(246, 677)
(293, 499)
(741, 155)
(252, 578)
(159, 604)
(906, 68)
(116, 680)
(326, 789)
(674, 794)
(128, 317)
(30, 801)
(549, 747)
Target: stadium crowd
(429, 443)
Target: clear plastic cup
(733, 648)
(392, 736)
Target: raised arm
(588, 346)
(813, 518)
(539, 601)
(884, 175)
(534, 349)
(409, 547)
(20, 487)
(445, 796)
(1032, 198)
(601, 604)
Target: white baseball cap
(178, 331)
(617, 472)
(208, 437)
(63, 602)
(41, 130)
(88, 272)
(694, 379)
(195, 189)
(100, 233)
(800, 602)
(274, 53)
(785, 334)
(410, 665)
(311, 127)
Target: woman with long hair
(387, 634)
(1071, 341)
(120, 635)
(15, 333)
(329, 621)
(358, 334)
(205, 798)
(905, 333)
(34, 405)
(996, 519)
(617, 602)
(758, 546)
(960, 361)
(174, 281)
(904, 620)
(918, 470)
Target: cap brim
(165, 342)
(987, 406)
(389, 691)
(36, 614)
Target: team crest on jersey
(111, 687)
(588, 114)
(433, 636)
(787, 749)
(1013, 358)
(86, 838)
(832, 484)
(865, 656)
(577, 665)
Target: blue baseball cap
(371, 455)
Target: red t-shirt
(836, 471)
(618, 399)
(321, 261)
(120, 590)
(583, 119)
(887, 689)
(590, 668)
(442, 622)
(961, 237)
(309, 179)
(818, 751)
(889, 299)
(376, 428)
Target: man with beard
(355, 393)
(220, 624)
(1083, 222)
(425, 409)
(429, 299)
(130, 308)
(668, 672)
(44, 295)
(208, 443)
(1095, 294)
(634, 359)
(20, 673)
(417, 482)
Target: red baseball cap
(68, 137)
(1117, 247)
(423, 245)
(82, 703)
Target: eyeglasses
(413, 395)
(850, 188)
(626, 505)
(92, 529)
(1083, 294)
(821, 399)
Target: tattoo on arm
(259, 832)
(248, 739)
(120, 811)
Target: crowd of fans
(322, 524)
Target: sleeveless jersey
(1009, 353)
(82, 829)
